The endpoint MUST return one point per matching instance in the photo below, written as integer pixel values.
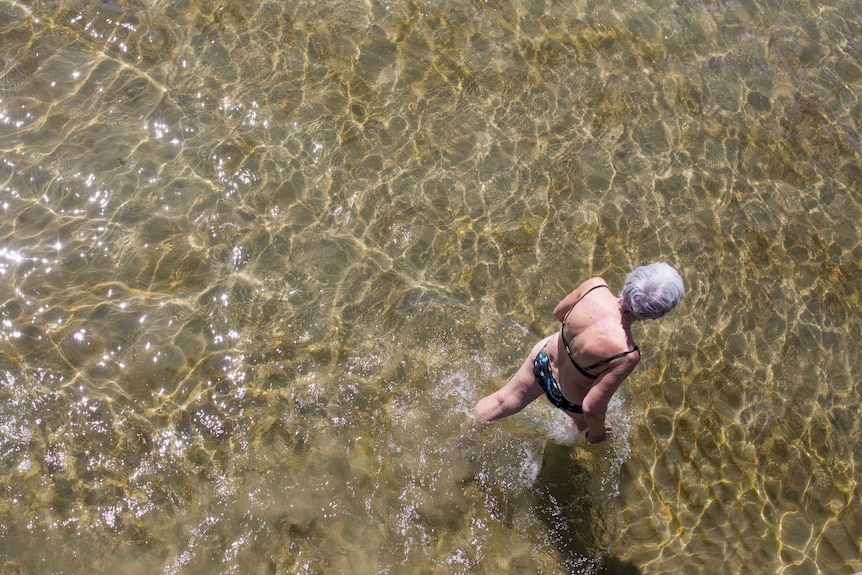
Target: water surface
(259, 259)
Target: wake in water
(537, 469)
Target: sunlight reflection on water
(259, 260)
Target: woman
(581, 367)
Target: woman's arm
(596, 402)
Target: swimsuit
(585, 371)
(545, 379)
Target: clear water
(259, 259)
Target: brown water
(259, 259)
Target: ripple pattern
(259, 259)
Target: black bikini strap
(610, 359)
(582, 297)
(585, 370)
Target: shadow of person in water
(572, 511)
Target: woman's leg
(519, 392)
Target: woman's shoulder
(592, 282)
(575, 295)
(589, 285)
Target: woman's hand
(597, 439)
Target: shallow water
(259, 260)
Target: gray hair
(651, 291)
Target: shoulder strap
(582, 297)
